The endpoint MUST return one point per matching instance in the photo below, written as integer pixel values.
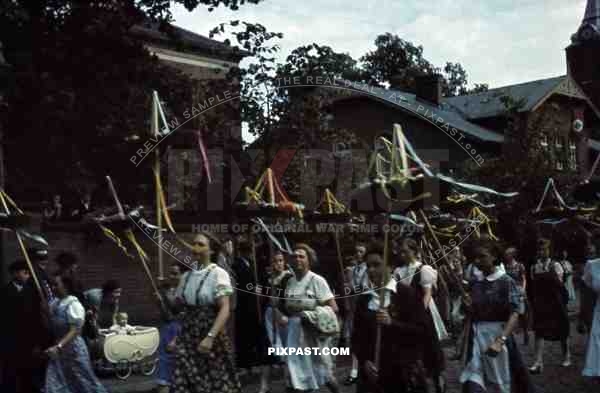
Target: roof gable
(196, 43)
(438, 116)
(490, 104)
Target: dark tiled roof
(437, 115)
(489, 104)
(195, 42)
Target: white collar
(18, 286)
(391, 286)
(496, 275)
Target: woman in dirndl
(549, 301)
(204, 361)
(493, 361)
(307, 294)
(424, 278)
(69, 369)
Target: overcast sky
(498, 42)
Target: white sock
(353, 373)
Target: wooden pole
(385, 279)
(255, 271)
(25, 253)
(271, 186)
(155, 132)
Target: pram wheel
(123, 369)
(148, 366)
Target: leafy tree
(479, 88)
(398, 62)
(455, 80)
(395, 61)
(82, 86)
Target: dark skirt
(251, 339)
(434, 359)
(550, 316)
(203, 373)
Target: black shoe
(350, 380)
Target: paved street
(555, 379)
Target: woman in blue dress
(69, 369)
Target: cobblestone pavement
(555, 378)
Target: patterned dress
(196, 372)
(71, 371)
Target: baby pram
(125, 352)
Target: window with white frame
(559, 165)
(558, 143)
(572, 156)
(544, 141)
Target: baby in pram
(121, 326)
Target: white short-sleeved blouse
(74, 309)
(545, 266)
(204, 286)
(406, 273)
(306, 293)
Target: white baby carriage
(125, 352)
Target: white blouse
(405, 274)
(374, 303)
(307, 293)
(215, 283)
(546, 266)
(74, 308)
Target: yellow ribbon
(131, 237)
(476, 214)
(111, 235)
(163, 202)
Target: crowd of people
(220, 319)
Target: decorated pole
(385, 279)
(155, 132)
(255, 272)
(24, 251)
(130, 235)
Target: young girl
(493, 360)
(550, 316)
(423, 279)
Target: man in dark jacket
(11, 341)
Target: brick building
(562, 111)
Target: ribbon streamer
(111, 235)
(272, 237)
(163, 202)
(131, 237)
(205, 161)
(35, 238)
(550, 184)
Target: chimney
(429, 88)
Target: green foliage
(82, 86)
